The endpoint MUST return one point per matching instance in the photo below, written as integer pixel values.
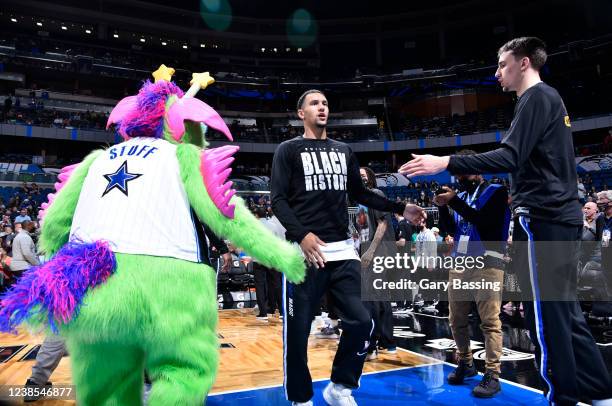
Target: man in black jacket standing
(311, 178)
(538, 151)
(479, 223)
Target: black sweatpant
(382, 315)
(343, 279)
(261, 288)
(328, 300)
(568, 358)
(274, 291)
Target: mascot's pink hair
(146, 117)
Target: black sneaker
(418, 301)
(328, 332)
(488, 387)
(462, 371)
(34, 398)
(372, 356)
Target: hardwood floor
(16, 372)
(257, 359)
(254, 357)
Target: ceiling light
(164, 43)
(142, 40)
(116, 35)
(14, 20)
(39, 24)
(87, 31)
(64, 27)
(184, 46)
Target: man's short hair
(466, 152)
(300, 102)
(530, 47)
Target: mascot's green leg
(182, 358)
(154, 313)
(106, 373)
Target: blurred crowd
(19, 215)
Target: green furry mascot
(125, 284)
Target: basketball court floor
(251, 364)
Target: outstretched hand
(424, 165)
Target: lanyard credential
(464, 225)
(608, 225)
(606, 235)
(469, 200)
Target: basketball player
(538, 152)
(311, 178)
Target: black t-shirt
(606, 252)
(538, 151)
(309, 186)
(373, 216)
(204, 236)
(404, 230)
(590, 245)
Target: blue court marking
(419, 385)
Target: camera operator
(480, 226)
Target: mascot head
(161, 110)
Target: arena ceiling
(321, 9)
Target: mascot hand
(293, 267)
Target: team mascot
(125, 284)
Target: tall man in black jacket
(538, 151)
(311, 178)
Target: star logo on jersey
(119, 179)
